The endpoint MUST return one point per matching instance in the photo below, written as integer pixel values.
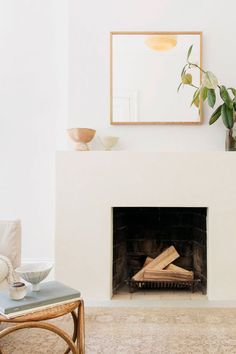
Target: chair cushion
(10, 241)
(3, 270)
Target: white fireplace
(140, 234)
(90, 184)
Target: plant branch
(194, 86)
(197, 66)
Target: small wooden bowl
(81, 136)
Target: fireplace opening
(173, 239)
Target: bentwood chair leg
(74, 336)
(81, 330)
(43, 325)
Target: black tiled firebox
(139, 232)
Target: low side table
(36, 319)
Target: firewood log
(165, 275)
(159, 263)
(177, 269)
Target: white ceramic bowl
(109, 141)
(34, 273)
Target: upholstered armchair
(10, 248)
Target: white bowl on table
(34, 273)
(109, 141)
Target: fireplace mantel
(89, 184)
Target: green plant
(207, 91)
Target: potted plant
(207, 91)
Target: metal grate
(135, 285)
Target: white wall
(33, 91)
(33, 108)
(90, 23)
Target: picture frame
(153, 103)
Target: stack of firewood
(162, 269)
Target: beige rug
(132, 330)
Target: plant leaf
(234, 106)
(211, 97)
(204, 91)
(225, 96)
(209, 80)
(189, 51)
(179, 86)
(197, 101)
(233, 90)
(183, 70)
(187, 79)
(215, 115)
(227, 116)
(195, 98)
